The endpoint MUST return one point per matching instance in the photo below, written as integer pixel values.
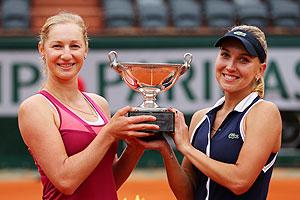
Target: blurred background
(149, 31)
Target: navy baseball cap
(251, 43)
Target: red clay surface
(285, 185)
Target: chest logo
(233, 136)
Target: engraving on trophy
(150, 79)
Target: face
(236, 70)
(64, 51)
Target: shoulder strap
(97, 107)
(62, 106)
(51, 100)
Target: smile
(230, 77)
(66, 65)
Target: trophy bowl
(150, 79)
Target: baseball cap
(251, 43)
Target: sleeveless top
(77, 134)
(225, 147)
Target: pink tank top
(77, 134)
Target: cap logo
(240, 33)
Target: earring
(257, 79)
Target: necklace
(213, 128)
(92, 111)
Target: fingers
(141, 118)
(175, 111)
(138, 134)
(178, 115)
(134, 119)
(143, 127)
(140, 123)
(123, 111)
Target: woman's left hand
(181, 135)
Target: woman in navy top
(230, 148)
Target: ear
(262, 69)
(86, 52)
(41, 49)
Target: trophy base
(165, 120)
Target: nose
(231, 65)
(66, 54)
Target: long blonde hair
(259, 85)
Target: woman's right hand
(121, 126)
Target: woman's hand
(134, 143)
(158, 142)
(181, 135)
(122, 127)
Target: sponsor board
(21, 75)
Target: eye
(224, 54)
(244, 60)
(57, 46)
(75, 46)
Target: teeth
(65, 65)
(228, 77)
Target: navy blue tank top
(225, 146)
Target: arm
(39, 129)
(179, 177)
(182, 176)
(261, 140)
(123, 166)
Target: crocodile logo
(233, 136)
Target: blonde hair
(260, 36)
(63, 18)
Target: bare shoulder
(265, 109)
(268, 116)
(266, 113)
(35, 112)
(100, 101)
(264, 117)
(197, 117)
(33, 104)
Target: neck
(232, 100)
(64, 91)
(69, 94)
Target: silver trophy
(150, 79)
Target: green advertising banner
(21, 75)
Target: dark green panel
(1, 82)
(146, 42)
(13, 152)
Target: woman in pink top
(69, 133)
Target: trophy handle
(113, 58)
(121, 69)
(188, 57)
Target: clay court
(147, 184)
